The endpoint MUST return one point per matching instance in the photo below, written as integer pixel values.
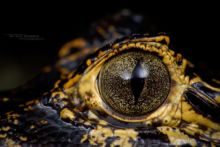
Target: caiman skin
(61, 107)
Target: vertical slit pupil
(137, 81)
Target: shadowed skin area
(63, 105)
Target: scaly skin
(63, 107)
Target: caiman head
(135, 91)
(139, 91)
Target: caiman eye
(134, 82)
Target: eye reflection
(134, 83)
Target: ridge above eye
(134, 83)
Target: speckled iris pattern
(143, 77)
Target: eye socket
(109, 78)
(134, 83)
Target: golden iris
(134, 83)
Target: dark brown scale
(203, 106)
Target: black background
(193, 28)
